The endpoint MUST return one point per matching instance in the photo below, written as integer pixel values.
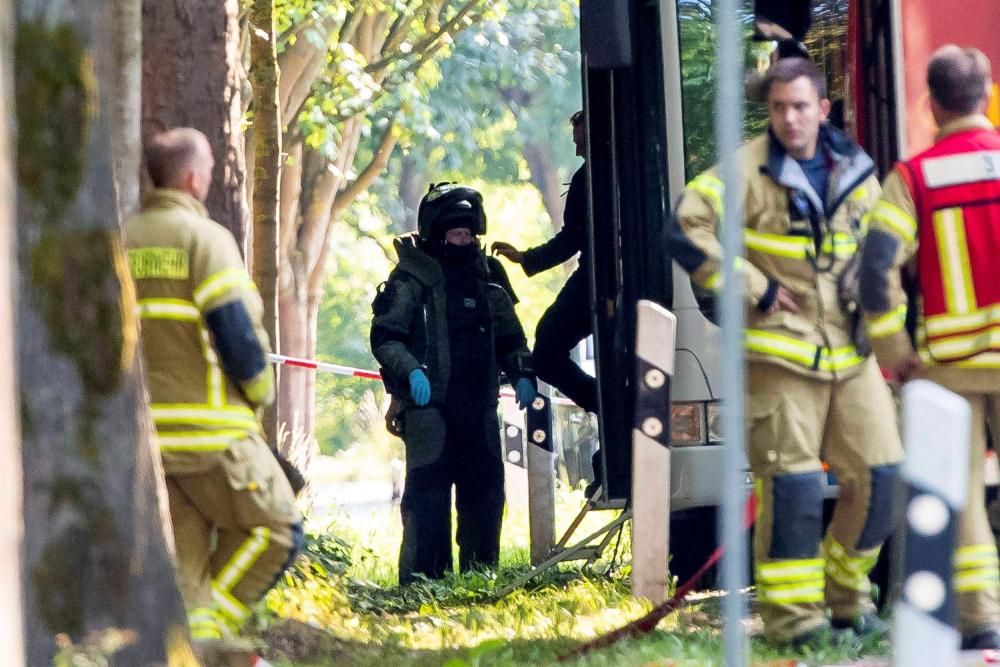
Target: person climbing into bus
(939, 222)
(444, 327)
(233, 511)
(568, 320)
(812, 389)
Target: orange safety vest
(956, 190)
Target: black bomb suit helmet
(449, 206)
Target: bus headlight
(714, 422)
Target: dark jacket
(571, 239)
(410, 327)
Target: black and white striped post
(936, 425)
(654, 367)
(541, 459)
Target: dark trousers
(566, 322)
(459, 447)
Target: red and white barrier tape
(324, 366)
(350, 371)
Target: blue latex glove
(420, 387)
(524, 392)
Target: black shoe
(823, 637)
(865, 626)
(982, 640)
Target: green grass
(341, 606)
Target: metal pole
(729, 130)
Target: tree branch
(378, 163)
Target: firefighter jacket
(939, 221)
(792, 240)
(410, 327)
(203, 342)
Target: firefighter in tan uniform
(812, 393)
(939, 220)
(235, 522)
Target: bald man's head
(959, 79)
(181, 159)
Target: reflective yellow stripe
(888, 324)
(942, 325)
(974, 553)
(219, 283)
(204, 415)
(895, 219)
(789, 570)
(714, 281)
(234, 613)
(848, 571)
(962, 346)
(799, 247)
(800, 352)
(795, 247)
(978, 581)
(198, 441)
(243, 558)
(204, 623)
(258, 389)
(711, 188)
(953, 253)
(168, 309)
(791, 595)
(214, 381)
(168, 263)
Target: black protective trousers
(563, 325)
(455, 446)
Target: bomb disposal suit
(939, 220)
(443, 328)
(812, 393)
(235, 522)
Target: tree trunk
(126, 125)
(95, 554)
(191, 78)
(11, 623)
(545, 177)
(267, 175)
(412, 186)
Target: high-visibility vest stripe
(953, 252)
(181, 310)
(712, 188)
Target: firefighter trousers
(794, 423)
(457, 447)
(236, 529)
(977, 576)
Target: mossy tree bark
(11, 623)
(95, 552)
(267, 174)
(191, 77)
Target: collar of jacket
(851, 166)
(170, 198)
(423, 267)
(964, 124)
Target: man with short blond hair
(939, 221)
(235, 523)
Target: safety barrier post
(541, 479)
(936, 430)
(654, 367)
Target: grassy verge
(340, 606)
